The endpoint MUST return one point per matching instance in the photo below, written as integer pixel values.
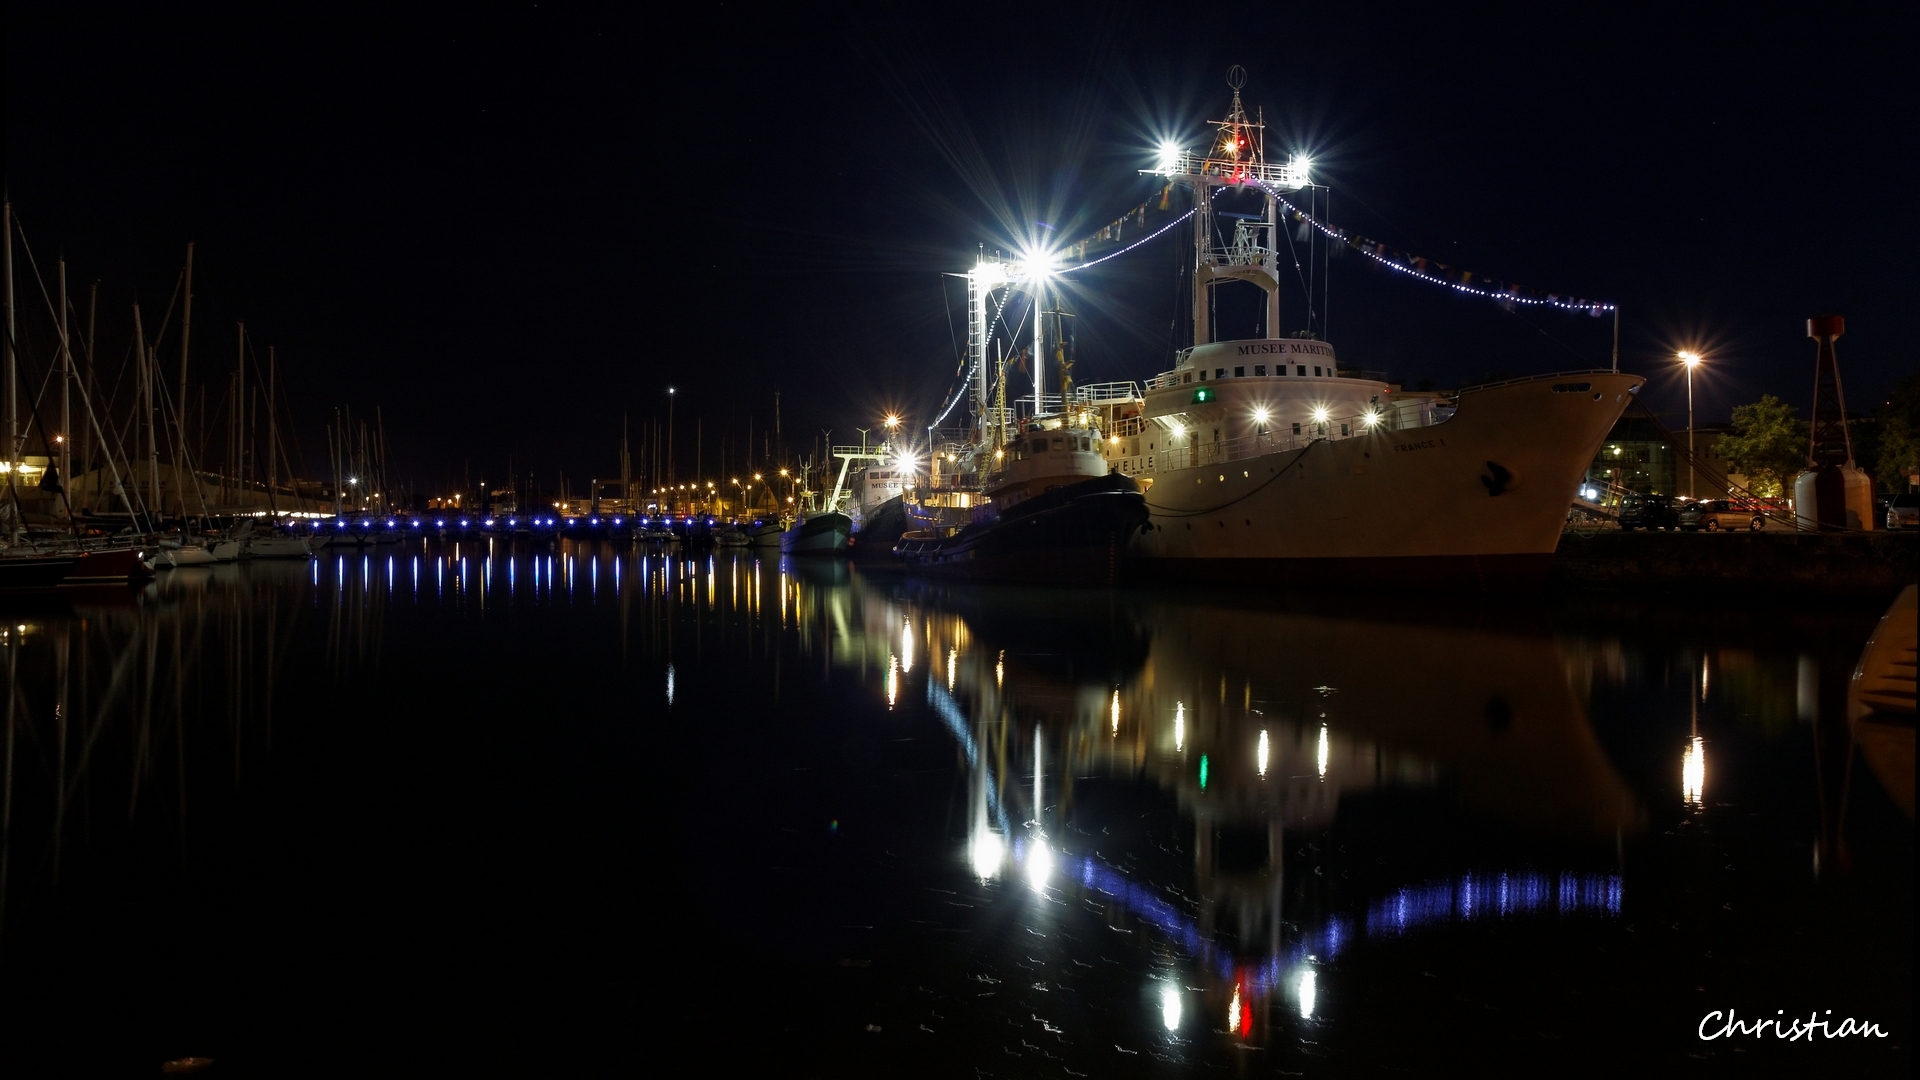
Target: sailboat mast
(13, 374)
(87, 453)
(186, 333)
(237, 420)
(145, 357)
(273, 430)
(66, 397)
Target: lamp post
(1690, 360)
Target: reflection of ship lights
(953, 658)
(906, 647)
(1234, 1011)
(1170, 1007)
(669, 684)
(1179, 725)
(1260, 760)
(893, 679)
(1306, 994)
(1693, 773)
(1039, 865)
(987, 852)
(1116, 713)
(1320, 752)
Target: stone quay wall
(1843, 564)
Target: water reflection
(1147, 781)
(1083, 691)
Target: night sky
(508, 228)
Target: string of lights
(1116, 254)
(1416, 267)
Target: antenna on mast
(1236, 158)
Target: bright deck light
(1260, 416)
(1039, 865)
(986, 853)
(1168, 157)
(1320, 416)
(1693, 773)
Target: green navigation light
(1202, 394)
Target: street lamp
(1691, 361)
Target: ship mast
(1236, 157)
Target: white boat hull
(189, 556)
(1477, 500)
(278, 547)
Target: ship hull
(1076, 534)
(881, 528)
(119, 566)
(821, 534)
(32, 573)
(1477, 501)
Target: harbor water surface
(464, 809)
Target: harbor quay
(1870, 564)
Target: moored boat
(34, 571)
(278, 547)
(109, 566)
(823, 532)
(1050, 512)
(1268, 459)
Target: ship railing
(1277, 439)
(1289, 175)
(1128, 426)
(1103, 393)
(1175, 378)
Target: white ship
(1265, 459)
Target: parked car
(1649, 512)
(1714, 515)
(1904, 512)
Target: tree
(1768, 445)
(1896, 456)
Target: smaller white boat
(730, 537)
(278, 547)
(185, 555)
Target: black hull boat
(34, 573)
(820, 534)
(883, 527)
(1074, 534)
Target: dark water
(448, 810)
